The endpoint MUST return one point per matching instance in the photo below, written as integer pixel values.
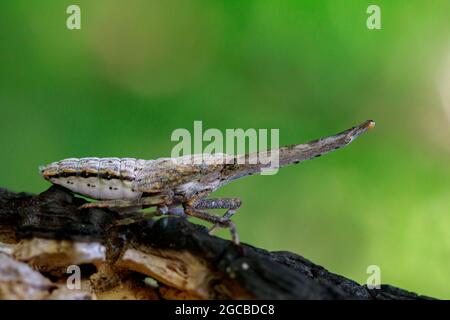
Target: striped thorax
(98, 178)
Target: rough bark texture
(169, 258)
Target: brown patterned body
(187, 181)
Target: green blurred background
(139, 69)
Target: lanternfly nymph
(177, 186)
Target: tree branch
(169, 258)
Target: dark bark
(257, 272)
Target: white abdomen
(99, 188)
(97, 178)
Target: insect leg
(226, 216)
(232, 204)
(125, 203)
(223, 222)
(217, 203)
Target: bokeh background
(139, 69)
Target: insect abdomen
(97, 178)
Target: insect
(176, 186)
